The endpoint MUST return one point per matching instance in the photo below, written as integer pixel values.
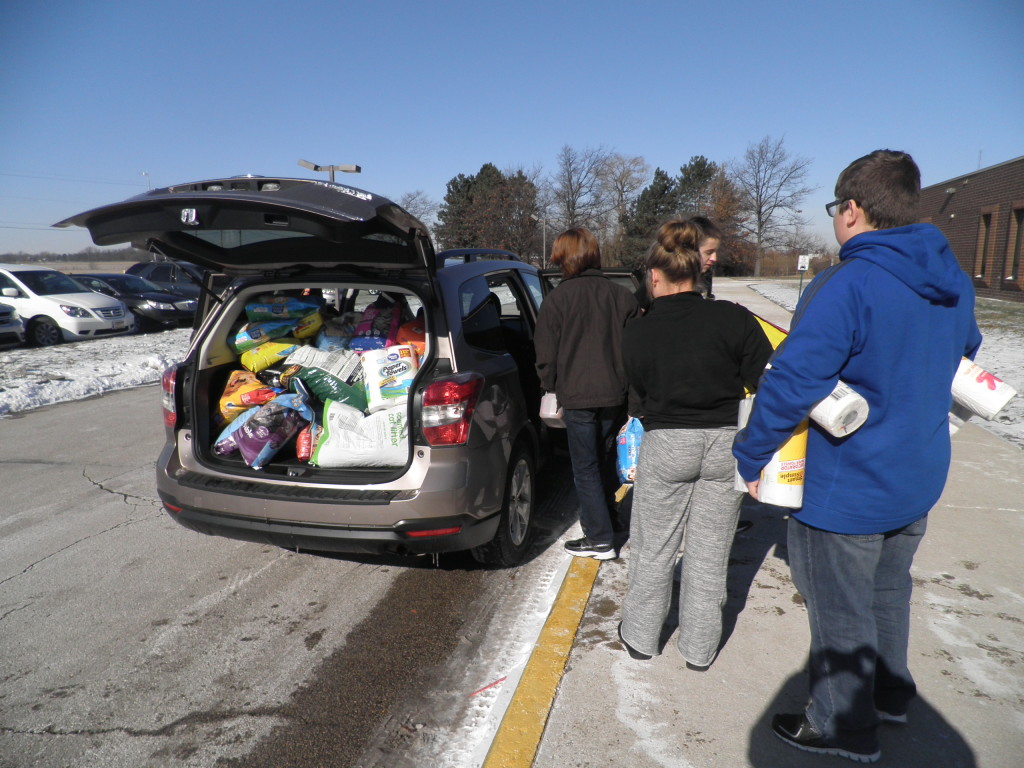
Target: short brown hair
(675, 251)
(576, 250)
(886, 184)
(708, 229)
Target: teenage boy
(892, 320)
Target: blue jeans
(857, 589)
(591, 435)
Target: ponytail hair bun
(675, 251)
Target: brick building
(982, 216)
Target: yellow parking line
(515, 744)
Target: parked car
(54, 308)
(12, 331)
(180, 277)
(629, 279)
(153, 307)
(464, 447)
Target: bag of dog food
(241, 393)
(352, 439)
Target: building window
(984, 231)
(1016, 241)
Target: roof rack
(466, 255)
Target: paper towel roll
(782, 479)
(958, 416)
(842, 412)
(746, 404)
(979, 391)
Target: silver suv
(434, 451)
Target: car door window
(6, 282)
(161, 273)
(534, 286)
(481, 315)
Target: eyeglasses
(830, 209)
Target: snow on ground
(34, 377)
(31, 378)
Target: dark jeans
(857, 589)
(591, 435)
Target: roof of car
(19, 267)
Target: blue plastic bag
(627, 445)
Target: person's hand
(753, 486)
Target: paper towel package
(979, 391)
(782, 479)
(388, 375)
(842, 412)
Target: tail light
(448, 408)
(168, 400)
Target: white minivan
(55, 308)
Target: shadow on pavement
(928, 740)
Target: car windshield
(47, 282)
(131, 284)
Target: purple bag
(259, 437)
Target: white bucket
(388, 375)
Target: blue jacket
(892, 320)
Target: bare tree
(419, 205)
(771, 187)
(622, 179)
(576, 189)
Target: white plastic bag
(550, 411)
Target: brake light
(448, 408)
(167, 382)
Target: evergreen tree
(656, 203)
(490, 209)
(454, 217)
(694, 186)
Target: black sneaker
(797, 731)
(586, 548)
(891, 717)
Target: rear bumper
(414, 537)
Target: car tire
(43, 332)
(515, 526)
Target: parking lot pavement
(967, 638)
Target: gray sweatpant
(684, 485)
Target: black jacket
(579, 341)
(688, 360)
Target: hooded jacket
(892, 320)
(579, 341)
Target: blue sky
(93, 94)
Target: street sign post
(803, 263)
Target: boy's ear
(858, 216)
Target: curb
(518, 737)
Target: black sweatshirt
(579, 341)
(687, 361)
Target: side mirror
(11, 293)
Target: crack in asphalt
(125, 497)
